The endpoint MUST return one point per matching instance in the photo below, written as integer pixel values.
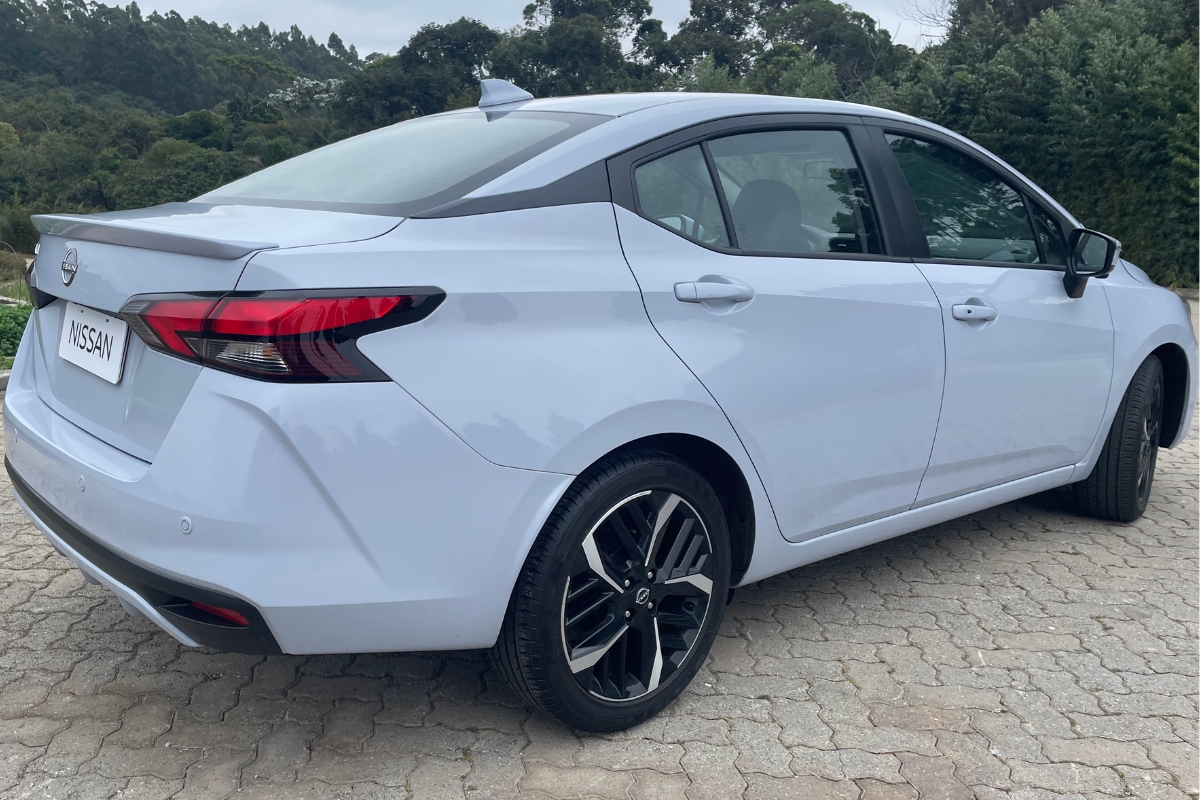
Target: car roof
(619, 105)
(639, 117)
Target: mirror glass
(1091, 252)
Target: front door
(1027, 367)
(771, 285)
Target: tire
(1120, 483)
(622, 645)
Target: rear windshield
(407, 168)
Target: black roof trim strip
(588, 185)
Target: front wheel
(621, 595)
(1120, 483)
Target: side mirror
(1090, 254)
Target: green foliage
(174, 170)
(1096, 100)
(12, 324)
(788, 69)
(201, 127)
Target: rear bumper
(164, 601)
(335, 517)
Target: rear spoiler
(135, 231)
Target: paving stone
(921, 718)
(438, 778)
(760, 748)
(933, 778)
(656, 786)
(885, 740)
(71, 748)
(713, 772)
(877, 790)
(576, 782)
(763, 787)
(846, 764)
(214, 777)
(630, 755)
(1180, 759)
(953, 697)
(1096, 752)
(1068, 778)
(164, 762)
(496, 767)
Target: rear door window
(795, 192)
(677, 192)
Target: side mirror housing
(1090, 254)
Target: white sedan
(552, 377)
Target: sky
(385, 25)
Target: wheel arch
(727, 479)
(1175, 390)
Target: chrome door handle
(703, 291)
(972, 311)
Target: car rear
(225, 460)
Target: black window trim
(624, 194)
(907, 205)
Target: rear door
(762, 260)
(1027, 367)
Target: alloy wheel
(639, 588)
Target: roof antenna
(495, 92)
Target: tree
(847, 39)
(721, 29)
(789, 69)
(566, 49)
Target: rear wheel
(621, 596)
(1120, 483)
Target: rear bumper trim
(150, 593)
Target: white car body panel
(1025, 392)
(832, 374)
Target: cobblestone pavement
(1021, 652)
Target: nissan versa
(553, 376)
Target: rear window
(407, 168)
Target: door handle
(706, 290)
(972, 311)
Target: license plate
(94, 340)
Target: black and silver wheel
(1120, 483)
(621, 596)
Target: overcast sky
(385, 25)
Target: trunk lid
(180, 247)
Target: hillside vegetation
(102, 108)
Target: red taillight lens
(282, 336)
(251, 316)
(175, 325)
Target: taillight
(279, 336)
